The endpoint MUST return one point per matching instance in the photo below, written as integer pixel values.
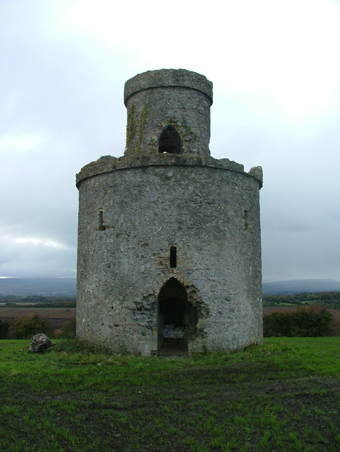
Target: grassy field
(283, 396)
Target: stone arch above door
(191, 290)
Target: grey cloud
(67, 91)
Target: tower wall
(166, 233)
(129, 218)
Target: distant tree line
(39, 301)
(26, 327)
(330, 299)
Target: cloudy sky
(276, 71)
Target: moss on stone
(130, 126)
(142, 124)
(187, 128)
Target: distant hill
(66, 287)
(59, 287)
(300, 285)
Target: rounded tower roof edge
(166, 78)
(109, 164)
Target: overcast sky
(275, 67)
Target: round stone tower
(169, 251)
(168, 111)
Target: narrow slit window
(101, 221)
(246, 219)
(173, 257)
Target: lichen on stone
(130, 126)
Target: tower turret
(168, 111)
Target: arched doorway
(169, 141)
(177, 318)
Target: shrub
(68, 330)
(26, 327)
(311, 321)
(4, 327)
(277, 324)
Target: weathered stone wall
(158, 99)
(128, 220)
(167, 234)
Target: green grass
(283, 396)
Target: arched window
(169, 141)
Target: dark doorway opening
(177, 319)
(169, 141)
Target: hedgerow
(26, 327)
(4, 327)
(311, 321)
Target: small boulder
(39, 343)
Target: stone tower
(169, 251)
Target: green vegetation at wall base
(281, 396)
